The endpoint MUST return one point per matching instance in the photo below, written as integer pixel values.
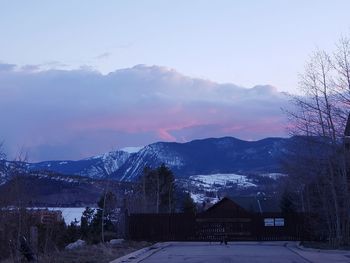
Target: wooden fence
(161, 227)
(191, 227)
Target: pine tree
(158, 187)
(188, 205)
(106, 212)
(167, 189)
(287, 205)
(86, 222)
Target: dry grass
(101, 253)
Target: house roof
(255, 204)
(231, 207)
(225, 208)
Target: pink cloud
(164, 135)
(69, 114)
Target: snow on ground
(274, 176)
(200, 197)
(197, 198)
(208, 181)
(205, 187)
(131, 149)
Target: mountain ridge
(205, 156)
(201, 156)
(215, 165)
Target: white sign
(269, 222)
(279, 221)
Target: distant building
(46, 216)
(33, 216)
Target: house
(243, 218)
(258, 204)
(229, 219)
(46, 216)
(225, 219)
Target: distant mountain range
(100, 166)
(215, 165)
(207, 156)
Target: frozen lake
(69, 213)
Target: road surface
(242, 252)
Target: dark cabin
(224, 219)
(255, 204)
(225, 208)
(243, 218)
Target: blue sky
(242, 42)
(83, 77)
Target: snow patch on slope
(274, 176)
(152, 155)
(106, 164)
(201, 197)
(208, 181)
(133, 149)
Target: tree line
(318, 159)
(153, 192)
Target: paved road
(209, 253)
(273, 252)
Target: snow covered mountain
(206, 168)
(4, 175)
(225, 155)
(96, 167)
(9, 169)
(207, 156)
(100, 166)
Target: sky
(79, 78)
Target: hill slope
(208, 156)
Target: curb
(296, 249)
(329, 251)
(142, 253)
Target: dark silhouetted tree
(105, 214)
(287, 205)
(188, 205)
(158, 188)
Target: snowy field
(213, 182)
(200, 197)
(208, 181)
(274, 176)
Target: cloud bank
(72, 114)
